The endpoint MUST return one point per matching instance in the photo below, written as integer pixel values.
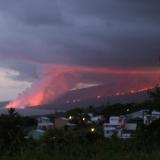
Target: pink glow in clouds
(55, 80)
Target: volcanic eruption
(55, 80)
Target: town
(122, 126)
(113, 128)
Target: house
(61, 122)
(155, 115)
(120, 127)
(95, 119)
(149, 118)
(130, 126)
(114, 127)
(139, 114)
(117, 120)
(110, 130)
(44, 123)
(35, 134)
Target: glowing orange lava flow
(22, 102)
(58, 79)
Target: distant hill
(95, 96)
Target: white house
(130, 126)
(44, 123)
(110, 130)
(114, 127)
(95, 119)
(149, 118)
(119, 127)
(155, 115)
(117, 120)
(62, 122)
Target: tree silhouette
(12, 112)
(155, 96)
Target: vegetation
(60, 145)
(12, 130)
(155, 96)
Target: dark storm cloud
(87, 32)
(125, 10)
(35, 12)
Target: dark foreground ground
(96, 151)
(82, 145)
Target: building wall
(131, 126)
(60, 123)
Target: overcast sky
(87, 33)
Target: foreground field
(93, 151)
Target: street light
(92, 130)
(70, 117)
(128, 110)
